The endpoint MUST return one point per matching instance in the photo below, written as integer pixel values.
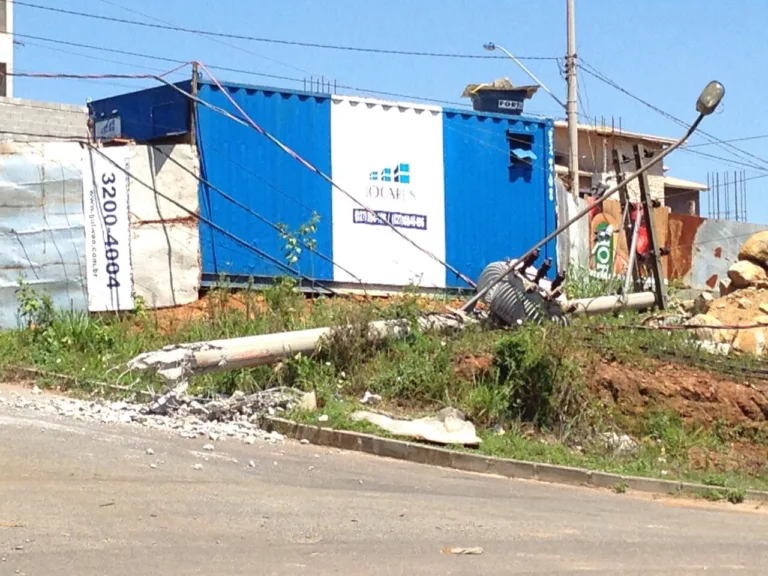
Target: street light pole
(490, 46)
(572, 109)
(708, 101)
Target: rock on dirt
(745, 273)
(702, 303)
(709, 330)
(756, 248)
(745, 307)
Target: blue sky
(661, 51)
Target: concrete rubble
(236, 417)
(734, 321)
(448, 427)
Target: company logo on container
(391, 187)
(400, 174)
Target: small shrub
(736, 496)
(35, 311)
(620, 487)
(545, 387)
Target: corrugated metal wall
(41, 225)
(248, 167)
(495, 208)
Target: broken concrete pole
(745, 273)
(607, 304)
(755, 249)
(178, 362)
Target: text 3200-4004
(108, 211)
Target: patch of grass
(582, 283)
(620, 487)
(530, 382)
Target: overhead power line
(730, 148)
(298, 43)
(742, 139)
(217, 40)
(243, 71)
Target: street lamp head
(710, 98)
(490, 46)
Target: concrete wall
(42, 229)
(35, 121)
(702, 250)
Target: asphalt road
(83, 500)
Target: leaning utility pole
(572, 101)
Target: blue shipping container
(461, 187)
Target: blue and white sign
(108, 128)
(397, 182)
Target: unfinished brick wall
(35, 121)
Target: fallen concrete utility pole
(708, 100)
(178, 362)
(607, 304)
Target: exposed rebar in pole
(572, 110)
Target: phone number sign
(106, 186)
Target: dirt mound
(696, 395)
(252, 303)
(740, 307)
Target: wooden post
(626, 222)
(660, 288)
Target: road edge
(467, 462)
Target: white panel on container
(165, 242)
(388, 156)
(107, 229)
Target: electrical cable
(275, 40)
(742, 139)
(592, 71)
(90, 57)
(81, 140)
(229, 69)
(248, 121)
(213, 225)
(213, 39)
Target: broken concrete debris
(190, 417)
(737, 320)
(448, 427)
(369, 398)
(463, 551)
(619, 443)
